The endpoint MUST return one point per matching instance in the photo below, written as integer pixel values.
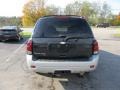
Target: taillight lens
(95, 47)
(29, 47)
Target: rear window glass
(9, 27)
(55, 27)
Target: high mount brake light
(62, 17)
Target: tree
(105, 13)
(52, 10)
(85, 9)
(93, 19)
(115, 21)
(93, 12)
(6, 21)
(73, 8)
(33, 10)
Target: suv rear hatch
(68, 37)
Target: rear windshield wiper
(62, 36)
(76, 37)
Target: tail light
(95, 47)
(29, 47)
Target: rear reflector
(95, 48)
(92, 66)
(32, 66)
(29, 47)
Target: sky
(14, 7)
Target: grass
(26, 34)
(117, 35)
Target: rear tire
(82, 74)
(19, 38)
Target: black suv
(62, 43)
(104, 25)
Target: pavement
(14, 74)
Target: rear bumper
(2, 37)
(52, 66)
